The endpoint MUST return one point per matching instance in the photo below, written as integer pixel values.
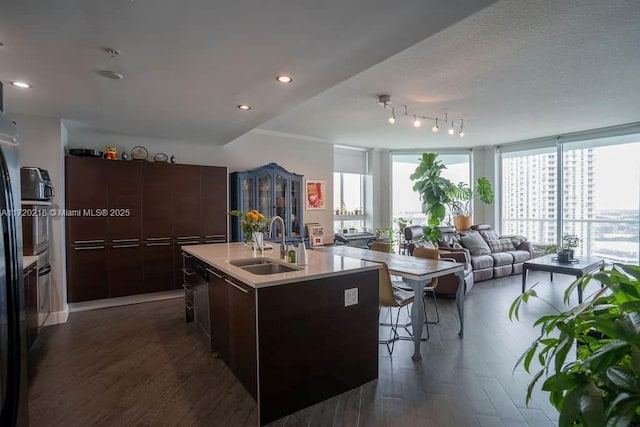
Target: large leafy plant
(602, 386)
(434, 191)
(461, 196)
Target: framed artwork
(315, 194)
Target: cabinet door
(295, 205)
(157, 200)
(125, 270)
(158, 267)
(219, 314)
(242, 334)
(87, 273)
(124, 222)
(31, 304)
(213, 217)
(86, 188)
(186, 201)
(265, 195)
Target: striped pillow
(500, 245)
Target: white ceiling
(514, 70)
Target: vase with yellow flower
(250, 222)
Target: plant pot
(563, 257)
(462, 223)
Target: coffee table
(578, 267)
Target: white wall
(484, 164)
(312, 159)
(41, 145)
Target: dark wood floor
(142, 365)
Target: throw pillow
(489, 235)
(475, 243)
(501, 245)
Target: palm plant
(602, 386)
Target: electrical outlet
(350, 297)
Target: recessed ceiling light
(22, 85)
(244, 107)
(284, 79)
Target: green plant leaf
(570, 409)
(562, 381)
(532, 384)
(623, 379)
(591, 405)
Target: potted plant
(565, 249)
(434, 191)
(602, 386)
(461, 196)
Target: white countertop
(319, 264)
(28, 260)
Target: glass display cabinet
(271, 190)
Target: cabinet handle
(88, 248)
(159, 244)
(80, 242)
(214, 273)
(188, 272)
(158, 238)
(187, 287)
(188, 237)
(124, 240)
(125, 246)
(216, 236)
(188, 243)
(237, 287)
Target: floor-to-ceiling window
(595, 192)
(406, 202)
(601, 202)
(529, 201)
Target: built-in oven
(35, 229)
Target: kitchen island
(291, 338)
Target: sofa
(491, 255)
(447, 285)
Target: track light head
(451, 130)
(416, 121)
(392, 119)
(435, 129)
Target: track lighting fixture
(385, 102)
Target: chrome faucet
(283, 249)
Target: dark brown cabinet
(219, 314)
(124, 201)
(87, 273)
(186, 202)
(86, 193)
(30, 277)
(157, 201)
(232, 316)
(213, 206)
(133, 218)
(125, 270)
(158, 267)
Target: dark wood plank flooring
(142, 365)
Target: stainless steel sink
(250, 261)
(268, 268)
(262, 266)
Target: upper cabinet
(271, 190)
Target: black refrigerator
(13, 348)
